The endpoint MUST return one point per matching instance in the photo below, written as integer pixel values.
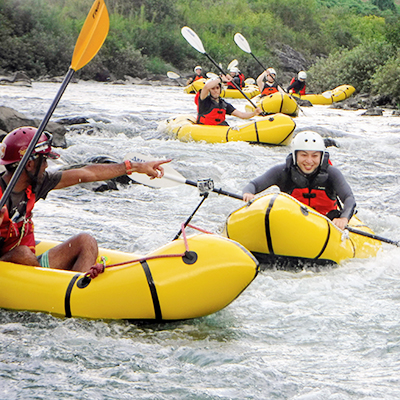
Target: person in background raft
(212, 109)
(198, 74)
(298, 85)
(17, 243)
(309, 177)
(267, 83)
(237, 77)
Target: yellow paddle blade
(92, 36)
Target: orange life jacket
(230, 85)
(269, 89)
(302, 91)
(20, 233)
(197, 77)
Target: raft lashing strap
(267, 224)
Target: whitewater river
(310, 335)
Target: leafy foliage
(348, 41)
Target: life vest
(230, 85)
(20, 233)
(269, 89)
(214, 116)
(302, 91)
(197, 77)
(313, 192)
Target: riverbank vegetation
(343, 41)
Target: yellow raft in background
(250, 90)
(276, 103)
(273, 130)
(213, 274)
(340, 93)
(278, 229)
(195, 86)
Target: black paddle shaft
(376, 237)
(219, 191)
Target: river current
(329, 335)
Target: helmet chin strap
(33, 177)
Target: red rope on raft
(160, 255)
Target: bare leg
(78, 253)
(21, 255)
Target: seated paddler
(212, 109)
(17, 242)
(309, 177)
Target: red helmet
(14, 145)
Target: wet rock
(11, 119)
(72, 121)
(375, 112)
(303, 103)
(20, 78)
(396, 113)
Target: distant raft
(249, 90)
(168, 284)
(340, 93)
(276, 103)
(275, 129)
(281, 231)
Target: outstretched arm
(101, 172)
(247, 115)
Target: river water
(310, 335)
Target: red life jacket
(315, 198)
(230, 85)
(269, 90)
(19, 233)
(197, 77)
(215, 116)
(302, 92)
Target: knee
(84, 240)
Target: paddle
(372, 236)
(171, 177)
(197, 44)
(173, 75)
(90, 40)
(243, 44)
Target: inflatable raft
(167, 284)
(340, 93)
(272, 130)
(281, 231)
(249, 90)
(276, 103)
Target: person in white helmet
(309, 177)
(298, 85)
(237, 77)
(267, 83)
(198, 74)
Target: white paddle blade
(211, 75)
(241, 41)
(327, 94)
(175, 178)
(172, 75)
(234, 63)
(250, 81)
(192, 39)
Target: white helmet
(234, 69)
(302, 75)
(271, 71)
(307, 141)
(196, 67)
